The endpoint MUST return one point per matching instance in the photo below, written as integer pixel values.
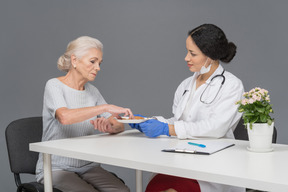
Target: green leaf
(260, 109)
(268, 107)
(263, 118)
(251, 124)
(248, 114)
(269, 121)
(240, 110)
(253, 119)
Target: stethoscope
(223, 81)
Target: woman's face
(89, 64)
(195, 58)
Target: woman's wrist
(117, 129)
(104, 108)
(116, 126)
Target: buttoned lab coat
(215, 120)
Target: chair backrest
(19, 134)
(241, 132)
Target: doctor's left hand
(154, 128)
(136, 125)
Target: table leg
(47, 173)
(139, 184)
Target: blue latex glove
(136, 125)
(154, 128)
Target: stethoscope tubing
(223, 81)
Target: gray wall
(144, 50)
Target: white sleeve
(162, 119)
(219, 116)
(177, 96)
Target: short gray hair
(79, 48)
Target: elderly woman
(73, 107)
(204, 104)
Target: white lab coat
(215, 120)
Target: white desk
(131, 149)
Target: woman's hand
(109, 125)
(115, 111)
(102, 124)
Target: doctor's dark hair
(212, 41)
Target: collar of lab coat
(188, 88)
(218, 71)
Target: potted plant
(256, 109)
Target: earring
(74, 66)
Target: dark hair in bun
(212, 41)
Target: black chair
(241, 132)
(19, 134)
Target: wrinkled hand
(102, 124)
(136, 125)
(154, 128)
(116, 110)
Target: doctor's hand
(154, 128)
(136, 125)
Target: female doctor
(204, 104)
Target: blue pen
(196, 144)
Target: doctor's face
(195, 58)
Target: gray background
(144, 50)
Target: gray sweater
(57, 95)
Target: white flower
(251, 101)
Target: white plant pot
(260, 137)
